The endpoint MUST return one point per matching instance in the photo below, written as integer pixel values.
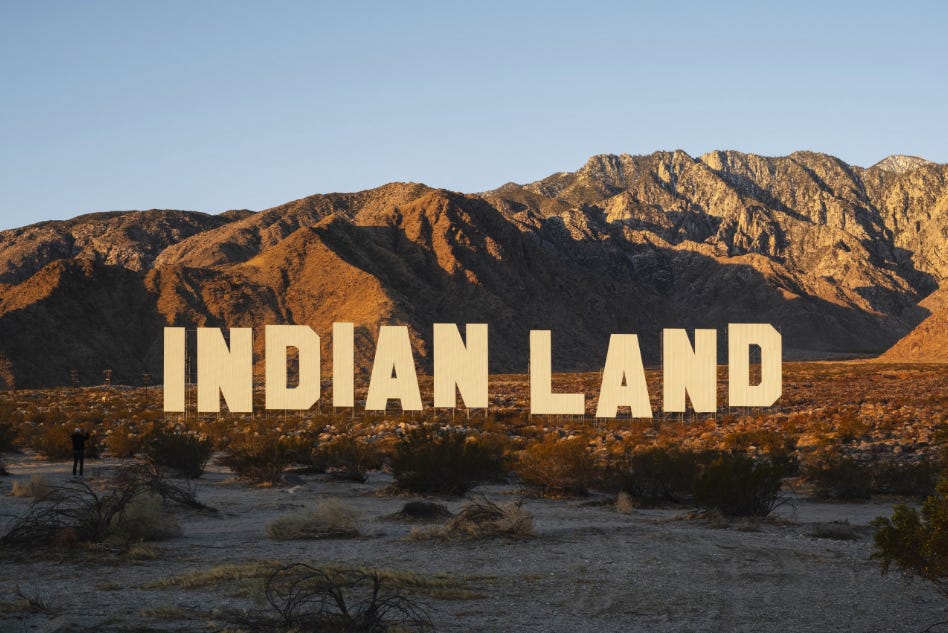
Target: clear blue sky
(218, 105)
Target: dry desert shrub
(739, 486)
(837, 476)
(123, 441)
(916, 479)
(37, 487)
(432, 460)
(557, 468)
(9, 435)
(52, 441)
(348, 458)
(183, 452)
(658, 474)
(481, 518)
(260, 458)
(328, 519)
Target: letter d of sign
(279, 338)
(740, 337)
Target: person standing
(79, 439)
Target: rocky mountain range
(840, 258)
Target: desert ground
(586, 567)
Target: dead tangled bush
(432, 460)
(130, 508)
(311, 600)
(556, 468)
(481, 518)
(328, 519)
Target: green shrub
(182, 452)
(916, 543)
(432, 460)
(555, 467)
(738, 485)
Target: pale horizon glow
(213, 106)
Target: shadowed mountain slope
(837, 256)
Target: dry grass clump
(328, 519)
(145, 518)
(37, 487)
(217, 575)
(624, 503)
(481, 518)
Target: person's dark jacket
(79, 441)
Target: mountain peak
(900, 163)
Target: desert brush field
(493, 520)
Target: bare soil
(588, 568)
